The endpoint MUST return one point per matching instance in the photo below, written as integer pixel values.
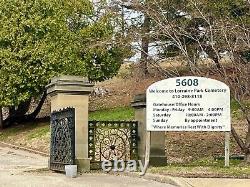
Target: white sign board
(188, 104)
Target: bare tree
(137, 31)
(200, 29)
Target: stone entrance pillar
(73, 91)
(157, 146)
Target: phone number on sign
(186, 96)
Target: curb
(24, 149)
(167, 179)
(175, 181)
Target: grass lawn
(37, 136)
(205, 168)
(34, 130)
(29, 131)
(120, 113)
(31, 135)
(40, 129)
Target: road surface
(20, 168)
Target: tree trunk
(248, 129)
(247, 157)
(12, 111)
(212, 54)
(1, 118)
(238, 139)
(16, 113)
(19, 117)
(145, 44)
(33, 115)
(23, 108)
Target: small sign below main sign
(188, 104)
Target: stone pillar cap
(139, 101)
(69, 84)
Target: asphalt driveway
(21, 168)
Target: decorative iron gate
(62, 146)
(112, 139)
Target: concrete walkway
(213, 182)
(20, 168)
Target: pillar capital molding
(139, 101)
(73, 85)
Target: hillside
(111, 99)
(180, 146)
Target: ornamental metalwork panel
(62, 145)
(108, 140)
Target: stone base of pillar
(157, 142)
(83, 165)
(156, 161)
